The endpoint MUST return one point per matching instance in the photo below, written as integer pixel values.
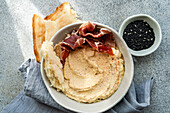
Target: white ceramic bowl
(156, 28)
(103, 105)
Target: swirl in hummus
(85, 74)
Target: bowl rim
(148, 51)
(128, 85)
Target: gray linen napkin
(135, 100)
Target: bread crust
(58, 10)
(38, 35)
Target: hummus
(87, 76)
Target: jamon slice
(63, 55)
(103, 41)
(100, 47)
(88, 29)
(72, 41)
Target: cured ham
(73, 41)
(108, 40)
(99, 34)
(88, 29)
(101, 40)
(63, 55)
(100, 47)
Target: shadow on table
(10, 58)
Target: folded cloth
(135, 100)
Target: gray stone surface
(16, 41)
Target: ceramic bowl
(103, 105)
(156, 29)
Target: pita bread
(38, 35)
(44, 29)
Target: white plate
(103, 105)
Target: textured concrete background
(16, 41)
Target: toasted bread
(38, 35)
(44, 29)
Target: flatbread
(51, 28)
(38, 35)
(44, 29)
